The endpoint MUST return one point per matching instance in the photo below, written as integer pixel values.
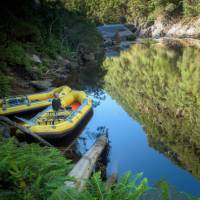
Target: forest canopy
(105, 11)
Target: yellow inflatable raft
(51, 124)
(17, 104)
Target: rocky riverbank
(164, 26)
(167, 26)
(116, 37)
(168, 31)
(60, 71)
(43, 45)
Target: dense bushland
(115, 10)
(34, 172)
(30, 172)
(43, 28)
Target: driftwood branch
(24, 130)
(83, 169)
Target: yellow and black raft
(51, 124)
(17, 104)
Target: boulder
(131, 27)
(126, 35)
(114, 30)
(108, 42)
(66, 62)
(36, 59)
(185, 28)
(159, 26)
(89, 56)
(166, 26)
(74, 65)
(42, 84)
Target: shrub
(4, 85)
(14, 54)
(126, 189)
(30, 172)
(170, 8)
(26, 31)
(191, 7)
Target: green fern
(31, 172)
(125, 189)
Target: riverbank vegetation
(106, 11)
(33, 172)
(34, 35)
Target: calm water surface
(149, 105)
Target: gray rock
(61, 77)
(166, 26)
(113, 31)
(42, 84)
(185, 28)
(108, 42)
(36, 59)
(59, 57)
(74, 65)
(131, 27)
(66, 62)
(89, 56)
(125, 35)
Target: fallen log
(25, 130)
(83, 169)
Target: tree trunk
(83, 169)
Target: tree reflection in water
(160, 88)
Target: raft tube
(18, 104)
(51, 124)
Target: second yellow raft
(17, 104)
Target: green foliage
(33, 172)
(4, 85)
(165, 189)
(191, 7)
(44, 28)
(14, 54)
(30, 172)
(125, 189)
(106, 11)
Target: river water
(148, 102)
